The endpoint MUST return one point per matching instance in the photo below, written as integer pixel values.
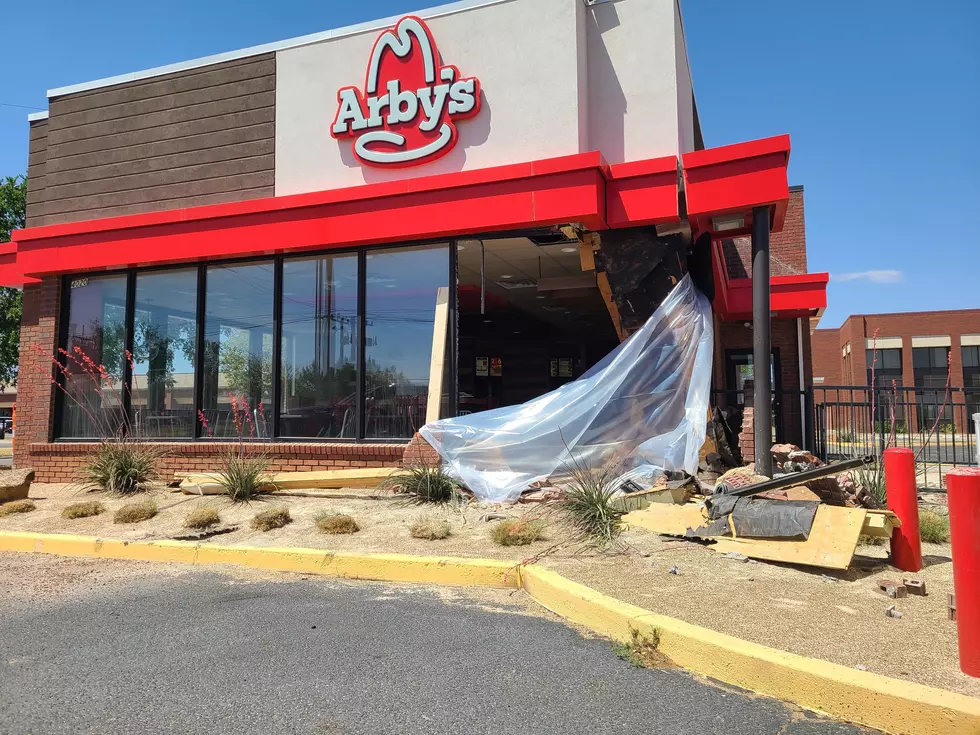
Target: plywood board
(437, 364)
(833, 538)
(361, 477)
(831, 543)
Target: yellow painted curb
(858, 696)
(379, 567)
(869, 699)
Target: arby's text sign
(406, 113)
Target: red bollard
(963, 495)
(903, 501)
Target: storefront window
(92, 400)
(238, 347)
(164, 350)
(319, 347)
(191, 367)
(402, 286)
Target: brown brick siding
(60, 461)
(736, 336)
(201, 136)
(861, 327)
(858, 328)
(787, 248)
(35, 394)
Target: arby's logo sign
(406, 113)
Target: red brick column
(35, 394)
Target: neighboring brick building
(913, 349)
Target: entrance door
(739, 370)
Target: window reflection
(164, 351)
(319, 347)
(238, 347)
(93, 400)
(402, 286)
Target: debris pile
(841, 490)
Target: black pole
(761, 342)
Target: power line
(23, 107)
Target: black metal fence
(840, 422)
(851, 421)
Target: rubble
(842, 490)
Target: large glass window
(931, 367)
(887, 369)
(238, 338)
(971, 381)
(345, 354)
(402, 286)
(93, 399)
(319, 347)
(164, 350)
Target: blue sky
(881, 99)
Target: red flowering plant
(123, 462)
(243, 472)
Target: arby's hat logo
(406, 113)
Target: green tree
(13, 214)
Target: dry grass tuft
(86, 509)
(642, 650)
(17, 506)
(933, 528)
(430, 529)
(517, 532)
(337, 523)
(267, 520)
(144, 510)
(203, 517)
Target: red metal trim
(579, 188)
(642, 193)
(803, 294)
(734, 179)
(736, 151)
(569, 189)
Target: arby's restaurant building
(360, 230)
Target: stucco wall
(558, 78)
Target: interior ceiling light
(569, 250)
(507, 275)
(728, 222)
(514, 285)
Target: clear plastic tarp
(640, 410)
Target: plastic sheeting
(641, 409)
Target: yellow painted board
(831, 543)
(360, 477)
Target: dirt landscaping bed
(835, 616)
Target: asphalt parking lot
(90, 646)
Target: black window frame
(201, 308)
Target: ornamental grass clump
(423, 483)
(243, 472)
(271, 519)
(430, 529)
(137, 512)
(121, 466)
(86, 509)
(933, 528)
(591, 507)
(17, 506)
(201, 518)
(517, 532)
(337, 523)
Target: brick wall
(736, 336)
(827, 362)
(787, 248)
(60, 461)
(35, 394)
